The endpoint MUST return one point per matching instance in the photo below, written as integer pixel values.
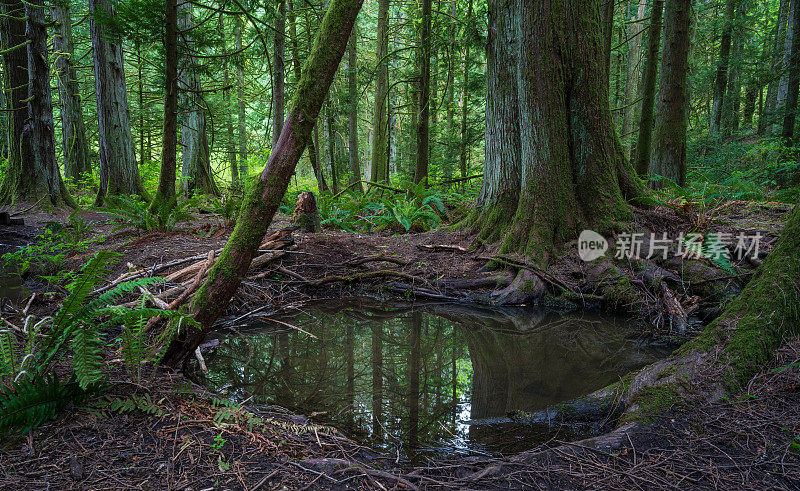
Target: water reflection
(432, 377)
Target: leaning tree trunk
(169, 146)
(641, 160)
(73, 130)
(197, 174)
(721, 79)
(264, 196)
(19, 183)
(352, 116)
(47, 177)
(118, 171)
(669, 137)
(379, 168)
(572, 171)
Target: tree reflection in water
(427, 377)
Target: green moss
(651, 402)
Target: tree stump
(306, 214)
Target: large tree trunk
(352, 116)
(560, 147)
(423, 121)
(118, 171)
(73, 129)
(169, 145)
(240, 111)
(669, 137)
(197, 174)
(264, 196)
(279, 72)
(502, 172)
(644, 143)
(40, 110)
(20, 178)
(721, 79)
(379, 168)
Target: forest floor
(171, 433)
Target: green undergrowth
(77, 336)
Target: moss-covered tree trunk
(19, 181)
(264, 195)
(379, 168)
(423, 118)
(119, 173)
(197, 174)
(47, 178)
(352, 114)
(169, 145)
(668, 157)
(723, 60)
(73, 129)
(641, 159)
(558, 153)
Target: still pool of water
(439, 378)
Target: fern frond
(8, 357)
(74, 308)
(30, 401)
(119, 291)
(87, 361)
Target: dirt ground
(171, 434)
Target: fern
(30, 401)
(87, 359)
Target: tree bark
(40, 110)
(264, 196)
(379, 168)
(197, 175)
(668, 158)
(73, 130)
(500, 191)
(279, 72)
(352, 116)
(644, 141)
(572, 173)
(119, 173)
(721, 79)
(169, 146)
(423, 121)
(19, 183)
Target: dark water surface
(429, 378)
